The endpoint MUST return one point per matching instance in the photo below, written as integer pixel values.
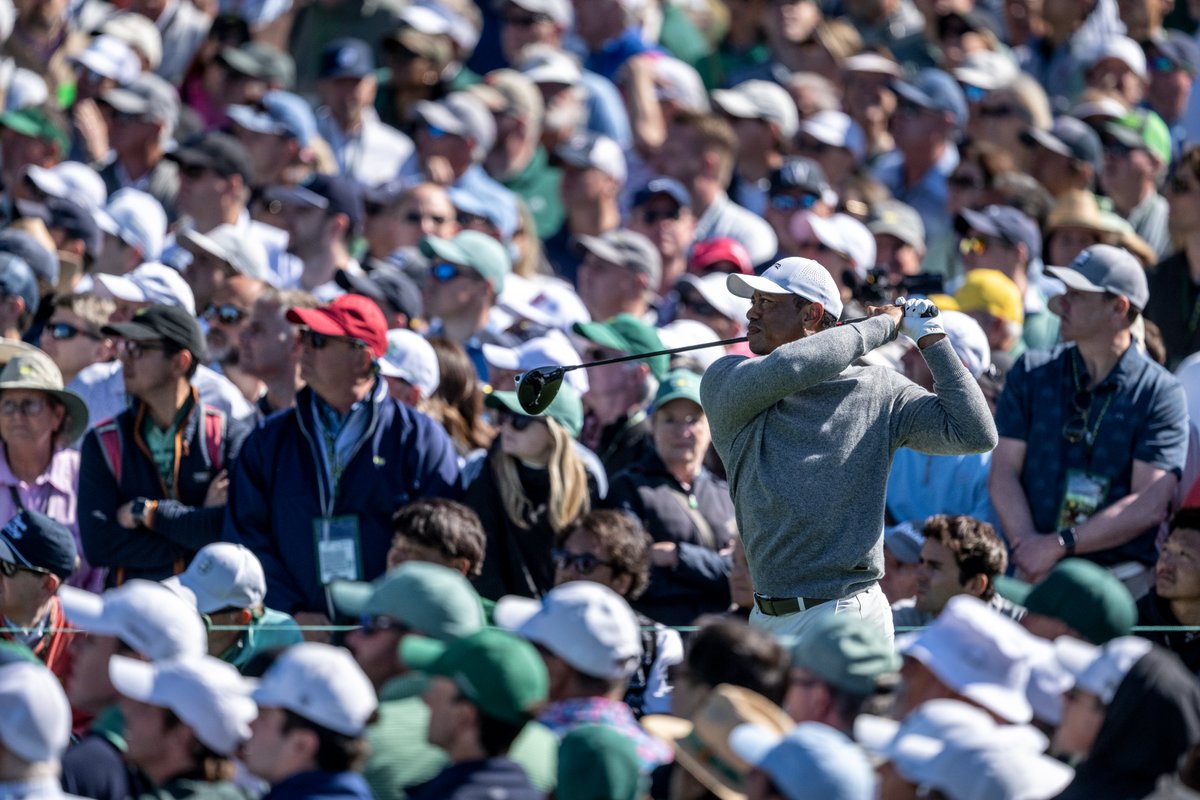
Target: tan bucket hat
(34, 370)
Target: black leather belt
(779, 606)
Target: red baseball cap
(350, 315)
(712, 251)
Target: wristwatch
(140, 508)
(1068, 540)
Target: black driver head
(537, 388)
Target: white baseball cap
(835, 128)
(228, 243)
(552, 350)
(802, 277)
(145, 615)
(1123, 49)
(841, 233)
(111, 57)
(207, 694)
(222, 575)
(410, 357)
(559, 11)
(543, 300)
(321, 683)
(968, 340)
(1109, 668)
(139, 32)
(71, 180)
(586, 624)
(979, 653)
(137, 219)
(678, 81)
(712, 287)
(682, 332)
(983, 768)
(35, 717)
(987, 70)
(872, 63)
(150, 283)
(543, 63)
(757, 99)
(594, 151)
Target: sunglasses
(788, 202)
(651, 217)
(997, 111)
(581, 563)
(1179, 184)
(136, 350)
(696, 303)
(524, 20)
(445, 272)
(225, 314)
(974, 94)
(518, 422)
(437, 133)
(193, 171)
(416, 218)
(29, 407)
(814, 146)
(9, 570)
(963, 182)
(62, 331)
(1117, 148)
(372, 625)
(1162, 64)
(319, 341)
(972, 244)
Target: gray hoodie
(807, 440)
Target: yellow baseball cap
(992, 291)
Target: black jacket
(1154, 611)
(625, 442)
(181, 524)
(699, 584)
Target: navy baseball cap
(661, 185)
(346, 58)
(1003, 222)
(16, 279)
(390, 288)
(34, 541)
(1069, 137)
(220, 152)
(937, 91)
(799, 173)
(40, 259)
(77, 222)
(332, 193)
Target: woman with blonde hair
(531, 486)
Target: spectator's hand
(218, 490)
(664, 554)
(1036, 555)
(92, 129)
(921, 321)
(125, 516)
(316, 619)
(439, 171)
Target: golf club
(537, 388)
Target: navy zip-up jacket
(279, 486)
(320, 785)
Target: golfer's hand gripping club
(921, 318)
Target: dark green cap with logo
(627, 334)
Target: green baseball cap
(500, 673)
(1087, 597)
(566, 410)
(680, 384)
(598, 762)
(628, 334)
(472, 249)
(432, 600)
(1012, 589)
(847, 652)
(1142, 129)
(33, 121)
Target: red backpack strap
(214, 435)
(110, 445)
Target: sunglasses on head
(319, 341)
(8, 569)
(63, 331)
(225, 313)
(581, 563)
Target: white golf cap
(543, 300)
(912, 745)
(559, 11)
(586, 624)
(984, 768)
(841, 233)
(835, 128)
(111, 57)
(713, 288)
(321, 683)
(802, 277)
(139, 32)
(678, 81)
(987, 70)
(147, 616)
(410, 357)
(979, 653)
(137, 219)
(221, 576)
(682, 332)
(205, 693)
(1109, 668)
(968, 340)
(241, 251)
(35, 717)
(71, 180)
(872, 63)
(542, 63)
(149, 283)
(595, 151)
(1123, 49)
(757, 99)
(552, 350)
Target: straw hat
(34, 370)
(702, 746)
(1078, 209)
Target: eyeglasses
(789, 202)
(445, 272)
(225, 313)
(466, 220)
(650, 217)
(63, 331)
(136, 350)
(518, 422)
(193, 171)
(378, 623)
(997, 111)
(964, 182)
(814, 146)
(319, 341)
(1162, 64)
(29, 407)
(416, 218)
(581, 563)
(696, 303)
(1179, 184)
(974, 94)
(437, 133)
(8, 569)
(972, 244)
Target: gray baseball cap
(147, 95)
(1104, 268)
(627, 249)
(900, 220)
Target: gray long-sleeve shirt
(807, 441)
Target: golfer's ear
(813, 313)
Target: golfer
(807, 439)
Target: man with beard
(227, 316)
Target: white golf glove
(921, 318)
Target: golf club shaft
(672, 351)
